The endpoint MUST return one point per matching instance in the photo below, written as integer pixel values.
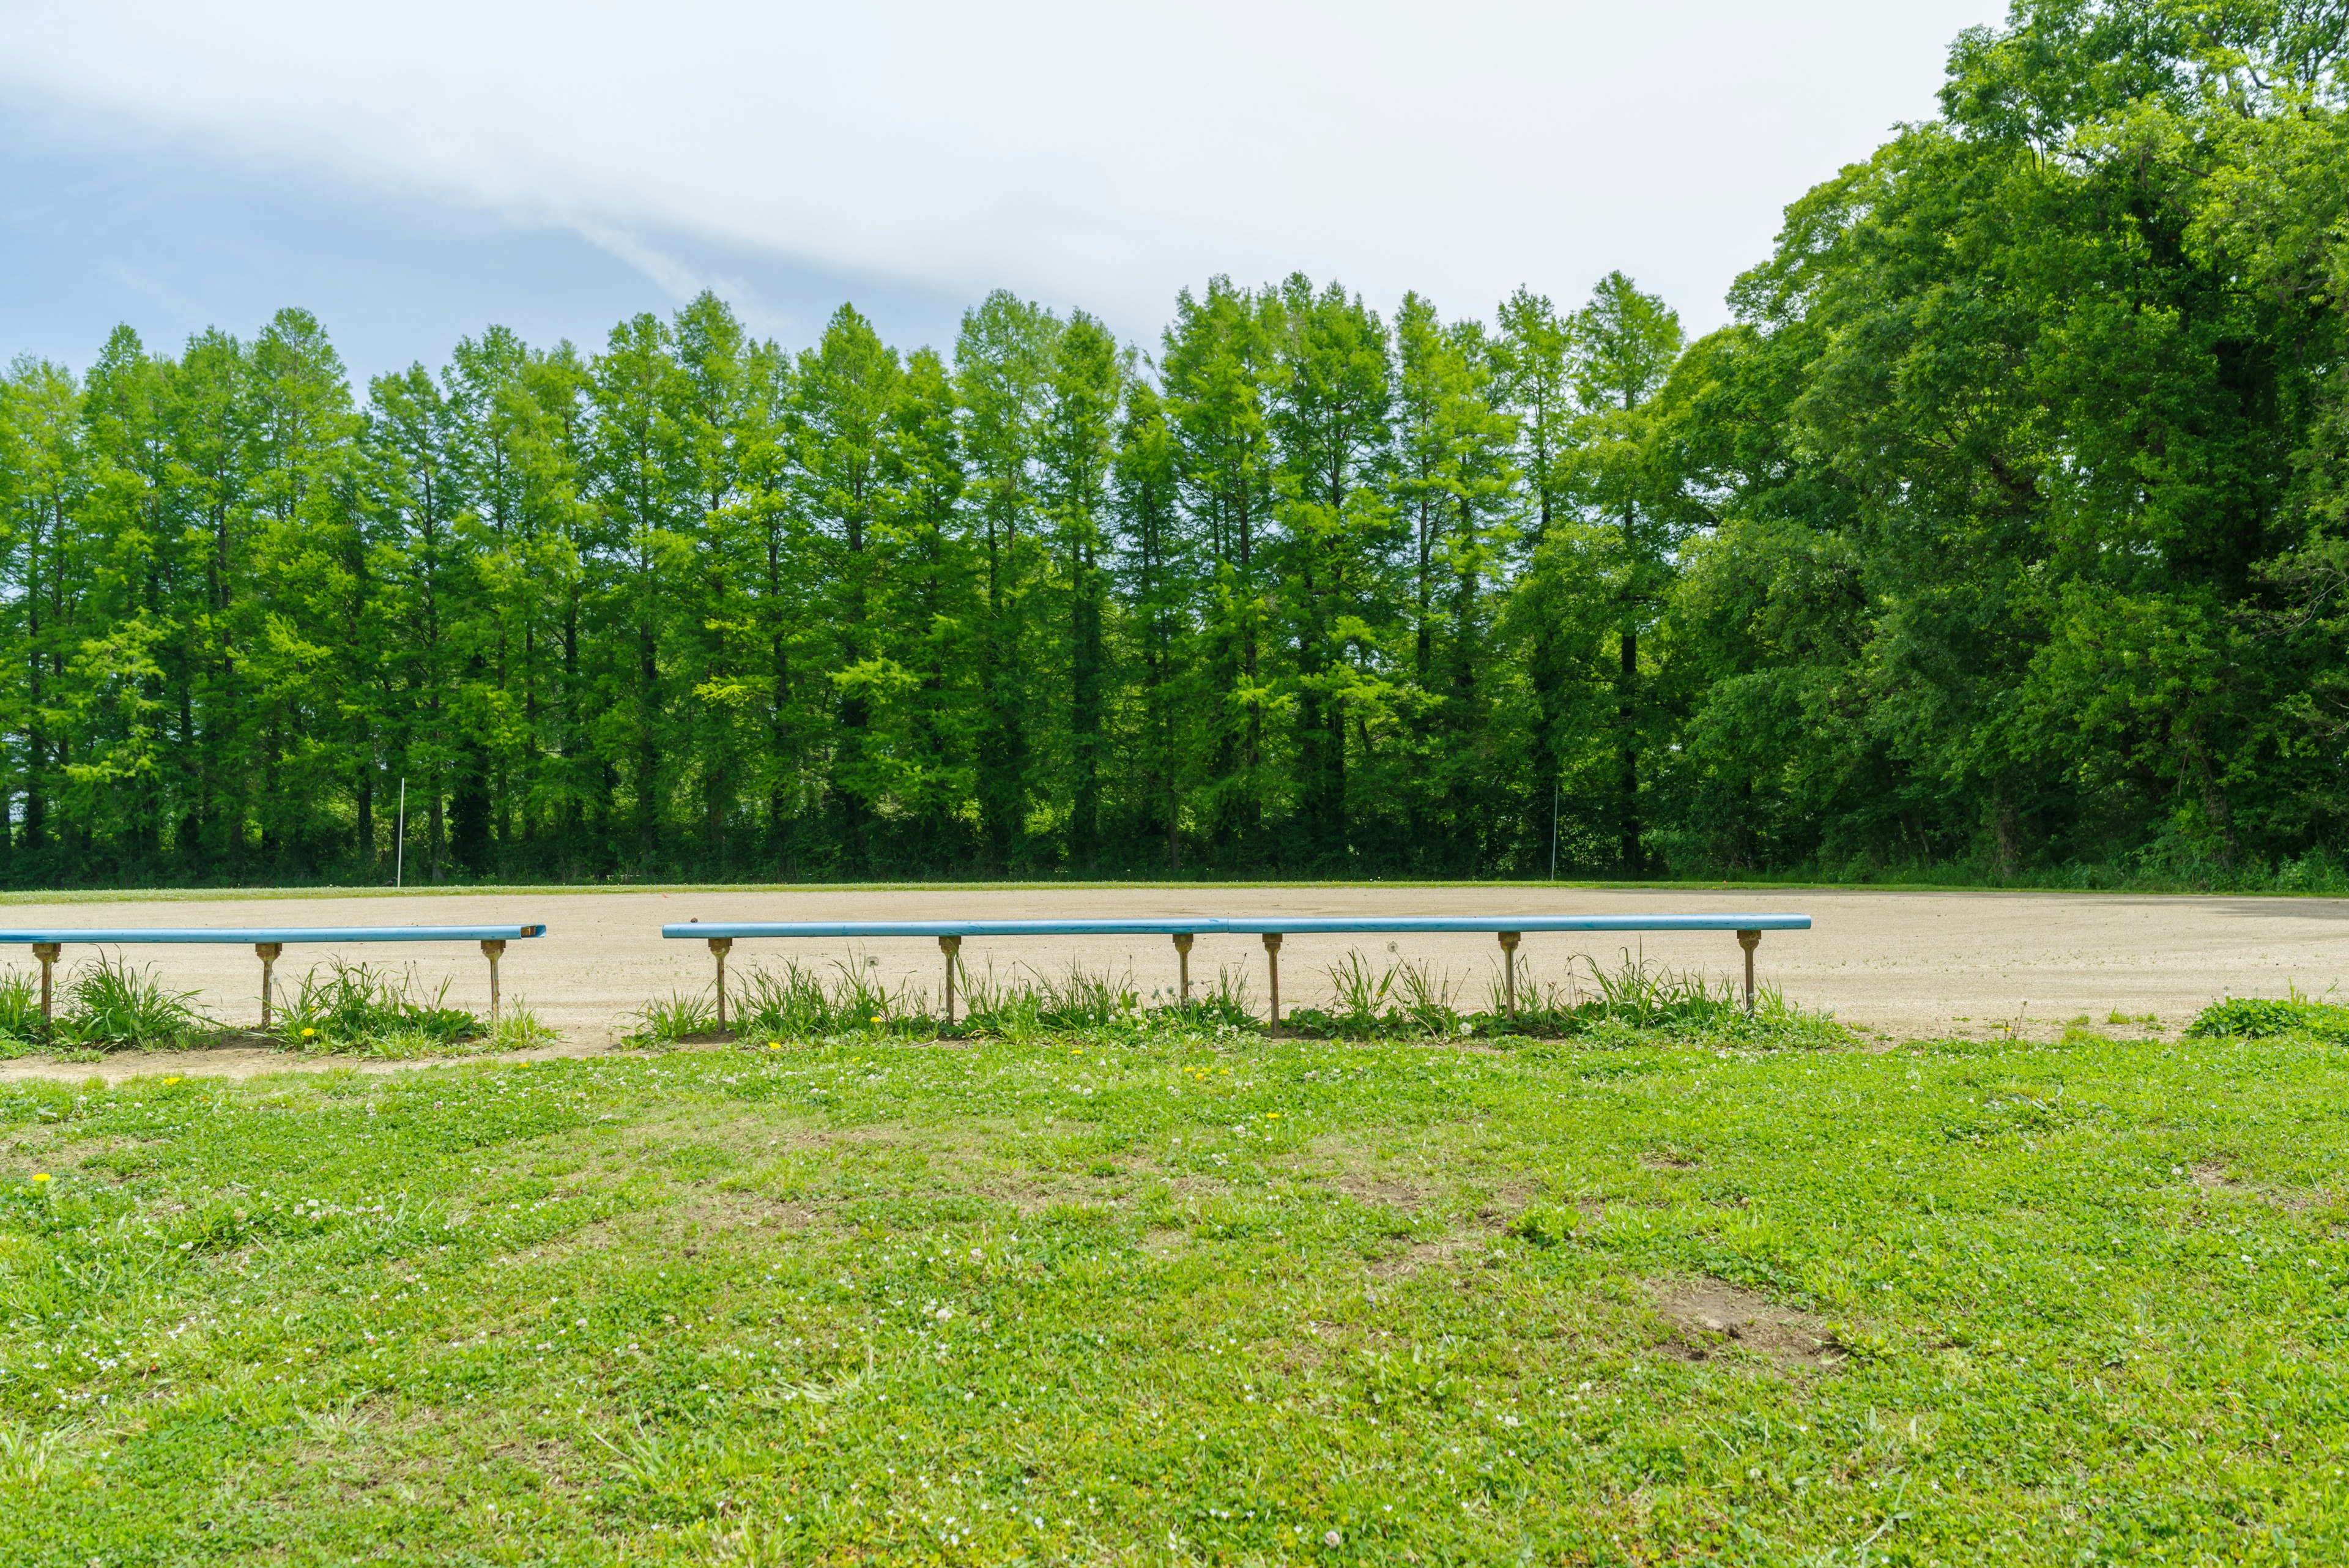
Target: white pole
(1553, 830)
(400, 846)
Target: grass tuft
(2263, 1018)
(679, 1016)
(796, 1005)
(519, 1028)
(1414, 1002)
(113, 1004)
(20, 1012)
(370, 1010)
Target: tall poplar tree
(1625, 342)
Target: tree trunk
(1627, 754)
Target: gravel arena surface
(1896, 965)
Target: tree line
(2002, 529)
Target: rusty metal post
(952, 948)
(493, 950)
(1509, 940)
(47, 953)
(718, 947)
(268, 951)
(1182, 964)
(1272, 961)
(1749, 941)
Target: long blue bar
(1291, 925)
(336, 934)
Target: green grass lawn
(1158, 1294)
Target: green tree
(1625, 342)
(1331, 391)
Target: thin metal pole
(399, 844)
(268, 951)
(718, 946)
(1182, 964)
(1749, 941)
(493, 950)
(1272, 961)
(47, 953)
(952, 948)
(1509, 940)
(1553, 830)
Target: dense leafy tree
(2005, 528)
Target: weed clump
(2261, 1017)
(20, 1013)
(365, 1008)
(1411, 1001)
(1403, 1000)
(113, 1004)
(679, 1016)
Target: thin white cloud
(680, 280)
(1099, 154)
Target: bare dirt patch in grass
(702, 1219)
(1388, 1191)
(1166, 1241)
(2212, 1174)
(1455, 1251)
(1716, 1317)
(1042, 1194)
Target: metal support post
(47, 953)
(1182, 964)
(268, 951)
(718, 947)
(1272, 961)
(1509, 940)
(493, 950)
(1749, 941)
(952, 948)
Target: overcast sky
(411, 173)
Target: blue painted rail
(267, 943)
(722, 935)
(281, 935)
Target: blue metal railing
(721, 936)
(278, 935)
(1197, 925)
(267, 943)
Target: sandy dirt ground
(1896, 964)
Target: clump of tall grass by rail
(369, 1010)
(113, 1004)
(1406, 1000)
(1398, 999)
(800, 1002)
(102, 1004)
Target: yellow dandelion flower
(173, 1079)
(306, 1033)
(40, 1175)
